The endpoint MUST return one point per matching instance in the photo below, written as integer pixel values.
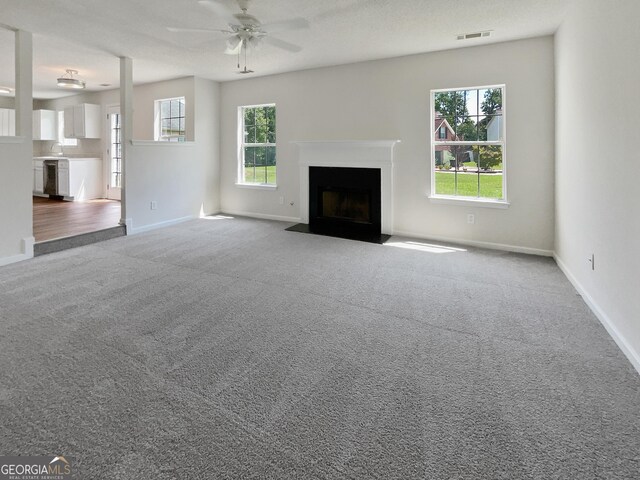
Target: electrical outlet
(592, 261)
(471, 219)
(281, 200)
(154, 205)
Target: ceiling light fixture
(6, 90)
(68, 81)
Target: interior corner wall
(207, 134)
(389, 99)
(597, 89)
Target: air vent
(468, 36)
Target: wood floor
(57, 219)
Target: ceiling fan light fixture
(68, 80)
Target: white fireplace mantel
(349, 154)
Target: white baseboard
(607, 323)
(131, 230)
(263, 216)
(474, 243)
(14, 259)
(27, 252)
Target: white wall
(389, 99)
(16, 166)
(181, 178)
(597, 85)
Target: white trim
(12, 139)
(153, 143)
(27, 252)
(474, 243)
(131, 230)
(349, 154)
(263, 216)
(14, 259)
(632, 355)
(468, 201)
(258, 186)
(502, 142)
(347, 143)
(241, 144)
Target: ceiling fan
(246, 31)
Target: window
(65, 142)
(258, 153)
(170, 120)
(470, 163)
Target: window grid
(172, 120)
(476, 148)
(258, 162)
(116, 151)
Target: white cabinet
(45, 125)
(82, 121)
(63, 178)
(7, 122)
(38, 177)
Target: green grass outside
(490, 185)
(260, 175)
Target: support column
(126, 130)
(24, 85)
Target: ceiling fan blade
(276, 42)
(196, 30)
(293, 24)
(234, 46)
(219, 9)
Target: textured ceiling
(88, 35)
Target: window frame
(158, 136)
(463, 200)
(240, 180)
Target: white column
(126, 129)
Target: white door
(114, 154)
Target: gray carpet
(229, 348)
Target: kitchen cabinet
(77, 178)
(7, 122)
(82, 121)
(38, 177)
(45, 125)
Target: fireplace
(345, 201)
(351, 194)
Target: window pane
(445, 182)
(175, 126)
(271, 155)
(490, 185)
(261, 133)
(261, 156)
(182, 126)
(490, 157)
(175, 108)
(249, 116)
(494, 128)
(248, 156)
(164, 109)
(467, 130)
(250, 135)
(261, 175)
(250, 174)
(490, 101)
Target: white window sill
(258, 186)
(475, 202)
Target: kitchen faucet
(59, 145)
